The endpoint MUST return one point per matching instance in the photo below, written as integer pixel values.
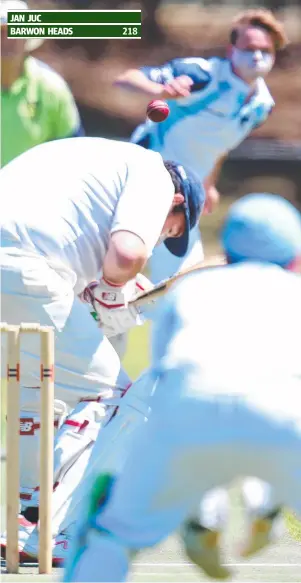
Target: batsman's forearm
(136, 81)
(119, 270)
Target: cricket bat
(162, 287)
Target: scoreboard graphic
(81, 24)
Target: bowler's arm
(169, 81)
(136, 80)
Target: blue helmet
(262, 227)
(194, 199)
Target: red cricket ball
(157, 110)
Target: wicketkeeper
(210, 424)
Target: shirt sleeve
(197, 69)
(263, 104)
(146, 198)
(263, 114)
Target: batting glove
(111, 303)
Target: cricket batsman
(105, 206)
(209, 425)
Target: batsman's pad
(30, 425)
(107, 454)
(76, 434)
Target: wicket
(46, 442)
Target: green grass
(293, 525)
(137, 355)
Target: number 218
(129, 31)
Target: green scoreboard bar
(82, 24)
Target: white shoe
(25, 530)
(203, 549)
(60, 547)
(264, 523)
(262, 532)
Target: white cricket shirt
(62, 200)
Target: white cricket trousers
(194, 440)
(86, 365)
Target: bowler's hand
(178, 87)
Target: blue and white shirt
(215, 118)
